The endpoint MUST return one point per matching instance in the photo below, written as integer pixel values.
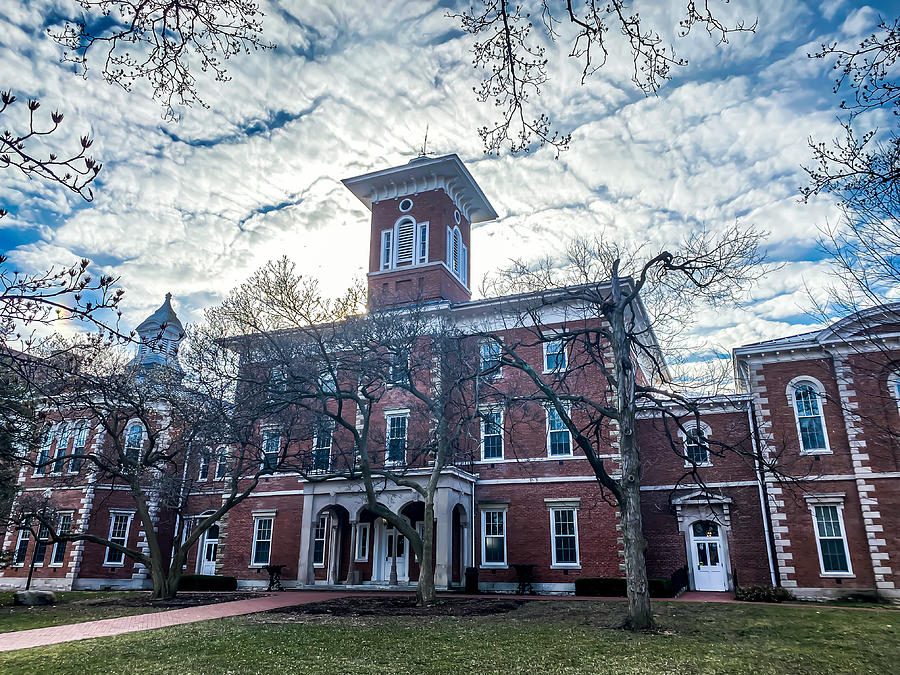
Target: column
(334, 553)
(351, 568)
(304, 564)
(443, 533)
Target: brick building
(806, 496)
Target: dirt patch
(179, 601)
(402, 606)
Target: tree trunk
(639, 616)
(164, 585)
(425, 594)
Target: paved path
(129, 624)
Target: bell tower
(422, 213)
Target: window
(405, 232)
(398, 370)
(118, 534)
(327, 382)
(564, 529)
(277, 385)
(810, 425)
(832, 540)
(222, 464)
(41, 550)
(457, 255)
(22, 546)
(490, 360)
(491, 434)
(362, 542)
(696, 447)
(62, 444)
(134, 442)
(406, 205)
(387, 258)
(396, 438)
(319, 541)
(271, 449)
(554, 356)
(44, 452)
(203, 473)
(559, 439)
(422, 243)
(59, 548)
(78, 447)
(493, 538)
(321, 459)
(262, 540)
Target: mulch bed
(402, 606)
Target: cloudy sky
(193, 207)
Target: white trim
(71, 514)
(694, 486)
(258, 516)
(706, 432)
(502, 509)
(547, 410)
(326, 517)
(363, 527)
(113, 513)
(565, 355)
(388, 416)
(497, 374)
(537, 479)
(553, 509)
(492, 411)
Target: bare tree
(156, 40)
(512, 48)
(615, 367)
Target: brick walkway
(130, 624)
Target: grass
(71, 607)
(538, 637)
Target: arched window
(134, 442)
(696, 445)
(894, 388)
(808, 400)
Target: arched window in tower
(406, 234)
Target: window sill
(488, 460)
(256, 566)
(319, 566)
(366, 559)
(555, 371)
(805, 453)
(494, 566)
(109, 564)
(568, 456)
(837, 575)
(688, 465)
(565, 566)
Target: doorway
(708, 552)
(209, 549)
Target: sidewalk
(130, 624)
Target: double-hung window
(564, 532)
(362, 542)
(559, 438)
(40, 551)
(44, 451)
(810, 424)
(396, 438)
(222, 464)
(134, 442)
(262, 540)
(321, 459)
(327, 383)
(832, 539)
(78, 447)
(398, 369)
(493, 538)
(271, 449)
(22, 545)
(277, 386)
(319, 534)
(554, 356)
(118, 534)
(59, 548)
(62, 444)
(491, 435)
(696, 447)
(490, 360)
(203, 472)
(387, 249)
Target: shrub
(615, 587)
(205, 582)
(762, 594)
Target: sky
(194, 207)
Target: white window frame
(497, 374)
(42, 529)
(549, 409)
(327, 382)
(79, 445)
(414, 252)
(205, 462)
(422, 243)
(43, 453)
(503, 510)
(563, 351)
(894, 388)
(387, 249)
(221, 464)
(134, 424)
(63, 434)
(837, 501)
(555, 506)
(326, 425)
(277, 384)
(363, 544)
(24, 535)
(483, 425)
(395, 359)
(59, 530)
(322, 522)
(706, 434)
(792, 387)
(257, 517)
(267, 432)
(457, 264)
(388, 416)
(113, 514)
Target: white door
(209, 550)
(708, 557)
(387, 546)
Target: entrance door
(708, 557)
(209, 550)
(387, 539)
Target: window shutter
(405, 241)
(386, 249)
(423, 243)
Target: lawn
(78, 606)
(529, 637)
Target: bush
(762, 594)
(205, 582)
(615, 587)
